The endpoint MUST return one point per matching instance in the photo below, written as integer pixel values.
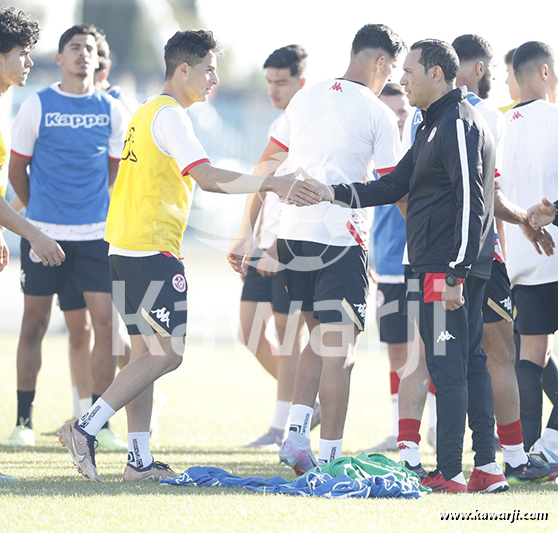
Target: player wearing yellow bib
(161, 161)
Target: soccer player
(19, 34)
(511, 82)
(389, 239)
(161, 162)
(285, 74)
(338, 129)
(448, 175)
(70, 137)
(530, 150)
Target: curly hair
(17, 28)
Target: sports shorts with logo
(86, 269)
(498, 304)
(153, 296)
(329, 280)
(392, 320)
(537, 308)
(265, 289)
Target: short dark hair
(103, 51)
(189, 46)
(436, 53)
(508, 58)
(392, 89)
(292, 57)
(17, 28)
(531, 55)
(471, 47)
(78, 29)
(377, 36)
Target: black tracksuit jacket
(449, 176)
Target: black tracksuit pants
(457, 366)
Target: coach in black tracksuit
(448, 175)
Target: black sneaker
(534, 471)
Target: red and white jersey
(338, 131)
(530, 172)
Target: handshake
(300, 192)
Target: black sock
(94, 397)
(553, 420)
(25, 408)
(550, 379)
(529, 379)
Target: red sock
(394, 381)
(431, 387)
(409, 430)
(510, 434)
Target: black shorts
(86, 269)
(329, 280)
(392, 322)
(154, 296)
(537, 308)
(498, 304)
(269, 289)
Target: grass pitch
(216, 403)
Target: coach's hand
(326, 191)
(47, 249)
(295, 191)
(452, 297)
(540, 239)
(541, 214)
(4, 252)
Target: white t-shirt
(271, 209)
(173, 133)
(338, 131)
(25, 132)
(530, 172)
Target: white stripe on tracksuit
(466, 193)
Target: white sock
(84, 406)
(460, 478)
(514, 454)
(395, 414)
(550, 437)
(139, 453)
(92, 421)
(329, 450)
(75, 403)
(301, 416)
(409, 451)
(431, 402)
(490, 468)
(281, 416)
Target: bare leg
(103, 363)
(497, 342)
(79, 329)
(139, 409)
(262, 347)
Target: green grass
(217, 403)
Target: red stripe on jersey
(21, 155)
(114, 158)
(498, 258)
(279, 143)
(166, 254)
(497, 174)
(192, 165)
(356, 236)
(382, 170)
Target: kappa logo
(162, 315)
(517, 115)
(432, 133)
(445, 336)
(403, 446)
(129, 147)
(75, 120)
(361, 309)
(34, 257)
(336, 87)
(507, 304)
(179, 283)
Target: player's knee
(173, 361)
(34, 327)
(80, 337)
